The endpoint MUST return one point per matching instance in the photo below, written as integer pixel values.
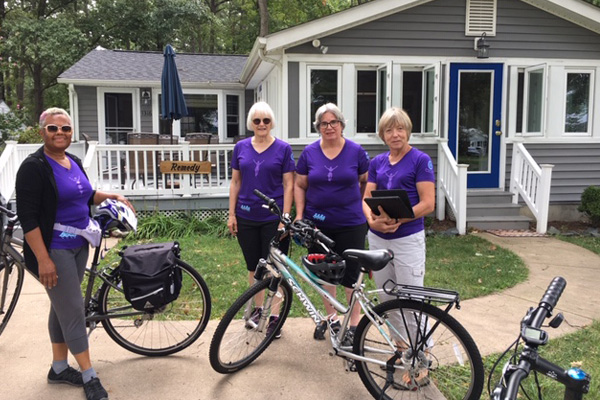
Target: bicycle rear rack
(421, 293)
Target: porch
(134, 171)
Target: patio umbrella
(172, 101)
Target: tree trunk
(263, 11)
(38, 90)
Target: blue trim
(477, 180)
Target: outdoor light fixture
(146, 96)
(483, 48)
(317, 45)
(324, 49)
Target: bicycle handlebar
(7, 212)
(299, 226)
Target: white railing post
(8, 167)
(515, 170)
(461, 206)
(185, 180)
(543, 197)
(442, 167)
(90, 164)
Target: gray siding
(293, 100)
(576, 166)
(438, 29)
(88, 110)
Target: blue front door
(474, 121)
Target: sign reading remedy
(185, 167)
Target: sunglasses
(55, 128)
(266, 121)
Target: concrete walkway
(294, 367)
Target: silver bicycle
(406, 348)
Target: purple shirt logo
(330, 173)
(257, 167)
(389, 182)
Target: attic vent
(481, 17)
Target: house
(502, 95)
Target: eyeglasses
(55, 128)
(266, 121)
(334, 124)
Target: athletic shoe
(272, 324)
(94, 390)
(69, 376)
(320, 329)
(254, 318)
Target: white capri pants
(407, 268)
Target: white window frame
(135, 109)
(221, 114)
(589, 131)
(387, 67)
(362, 68)
(436, 99)
(305, 96)
(527, 71)
(241, 114)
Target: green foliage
(182, 225)
(590, 204)
(30, 135)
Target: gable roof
(267, 48)
(134, 68)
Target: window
(533, 94)
(233, 115)
(366, 98)
(324, 88)
(202, 115)
(577, 102)
(420, 93)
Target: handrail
(10, 161)
(451, 186)
(532, 182)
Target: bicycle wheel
(160, 332)
(440, 359)
(238, 340)
(11, 283)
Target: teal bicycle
(406, 348)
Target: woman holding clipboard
(402, 167)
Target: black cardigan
(37, 199)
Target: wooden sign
(185, 167)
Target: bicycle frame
(278, 264)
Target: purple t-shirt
(414, 167)
(333, 198)
(74, 192)
(263, 171)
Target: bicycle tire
(159, 333)
(449, 366)
(235, 344)
(9, 294)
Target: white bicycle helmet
(119, 215)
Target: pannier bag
(150, 277)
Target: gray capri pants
(66, 322)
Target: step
(515, 222)
(488, 197)
(493, 210)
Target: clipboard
(395, 203)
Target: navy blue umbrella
(172, 101)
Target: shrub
(590, 204)
(30, 135)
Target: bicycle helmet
(116, 215)
(326, 269)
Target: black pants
(254, 238)
(348, 237)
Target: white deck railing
(135, 169)
(10, 161)
(451, 186)
(532, 182)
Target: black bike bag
(150, 277)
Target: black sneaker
(272, 324)
(94, 390)
(322, 327)
(69, 376)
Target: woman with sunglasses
(330, 179)
(265, 163)
(53, 191)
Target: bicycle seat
(372, 260)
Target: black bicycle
(153, 332)
(521, 363)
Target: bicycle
(520, 364)
(403, 348)
(155, 332)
